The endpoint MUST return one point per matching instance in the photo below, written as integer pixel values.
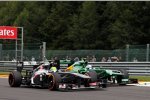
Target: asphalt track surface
(110, 93)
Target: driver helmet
(89, 66)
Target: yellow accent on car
(69, 68)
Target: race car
(47, 76)
(118, 76)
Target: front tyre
(15, 79)
(54, 80)
(93, 76)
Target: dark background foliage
(81, 24)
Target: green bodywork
(80, 67)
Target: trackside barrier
(134, 68)
(6, 66)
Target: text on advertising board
(7, 32)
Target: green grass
(141, 78)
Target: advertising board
(8, 32)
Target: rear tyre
(54, 80)
(15, 79)
(125, 76)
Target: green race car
(120, 76)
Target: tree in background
(56, 24)
(80, 25)
(84, 31)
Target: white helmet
(89, 66)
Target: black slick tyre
(125, 76)
(15, 79)
(54, 80)
(93, 76)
